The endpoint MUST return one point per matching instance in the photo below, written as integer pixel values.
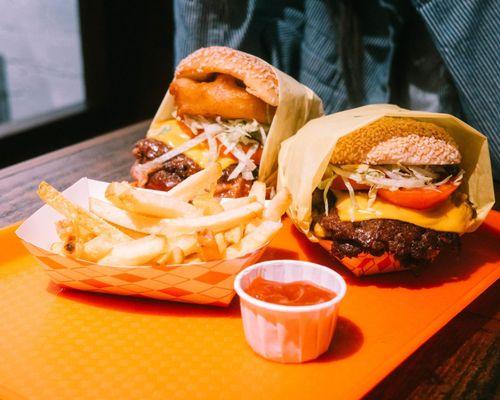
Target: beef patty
(180, 167)
(412, 245)
(172, 172)
(237, 187)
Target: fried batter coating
(259, 77)
(220, 97)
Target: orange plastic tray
(57, 343)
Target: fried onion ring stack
(223, 96)
(218, 81)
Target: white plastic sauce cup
(289, 334)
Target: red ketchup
(298, 293)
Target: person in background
(432, 55)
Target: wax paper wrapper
(304, 158)
(297, 105)
(208, 283)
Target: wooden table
(460, 361)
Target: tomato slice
(255, 156)
(419, 198)
(338, 184)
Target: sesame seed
(397, 140)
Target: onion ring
(222, 97)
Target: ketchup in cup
(299, 293)
(289, 308)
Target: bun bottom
(367, 264)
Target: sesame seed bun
(258, 76)
(397, 141)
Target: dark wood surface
(106, 157)
(460, 362)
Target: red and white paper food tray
(202, 283)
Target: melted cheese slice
(446, 218)
(170, 133)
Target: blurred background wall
(73, 69)
(40, 49)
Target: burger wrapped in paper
(227, 106)
(386, 189)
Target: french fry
(230, 204)
(57, 248)
(148, 202)
(208, 205)
(126, 219)
(135, 252)
(221, 243)
(234, 235)
(162, 259)
(97, 248)
(258, 190)
(139, 226)
(130, 232)
(254, 240)
(278, 205)
(171, 257)
(216, 223)
(177, 256)
(77, 214)
(66, 228)
(251, 226)
(187, 243)
(209, 250)
(72, 238)
(202, 182)
(177, 226)
(193, 260)
(73, 247)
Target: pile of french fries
(185, 225)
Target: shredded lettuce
(392, 177)
(372, 196)
(325, 184)
(352, 196)
(232, 133)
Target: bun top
(258, 76)
(397, 141)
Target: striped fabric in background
(436, 55)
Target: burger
(390, 192)
(226, 106)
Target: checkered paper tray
(204, 283)
(367, 264)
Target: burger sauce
(298, 293)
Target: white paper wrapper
(204, 283)
(289, 334)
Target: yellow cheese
(446, 218)
(173, 136)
